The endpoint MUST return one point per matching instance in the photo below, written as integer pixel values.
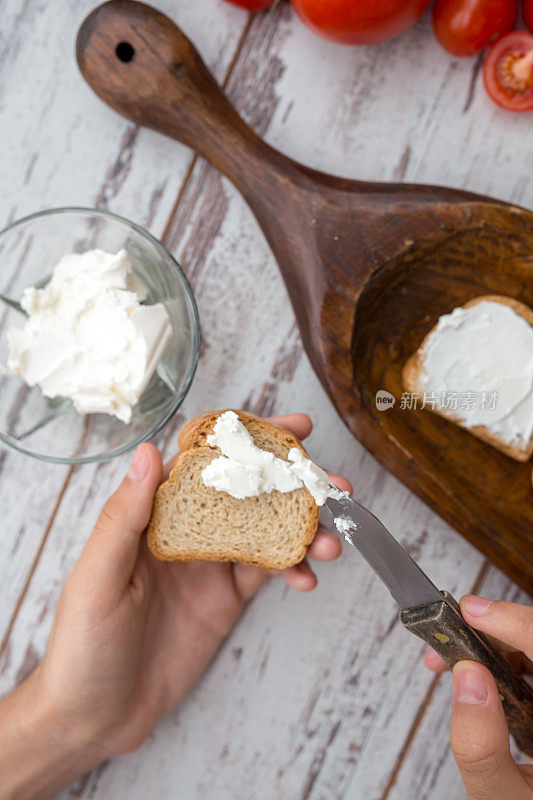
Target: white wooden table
(311, 697)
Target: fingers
(479, 737)
(518, 661)
(300, 577)
(340, 482)
(433, 661)
(249, 580)
(298, 424)
(326, 546)
(111, 550)
(512, 623)
(508, 625)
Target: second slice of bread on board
(415, 365)
(194, 522)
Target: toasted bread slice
(194, 522)
(415, 364)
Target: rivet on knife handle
(442, 626)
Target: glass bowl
(51, 429)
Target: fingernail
(469, 687)
(477, 606)
(139, 466)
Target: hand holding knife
(433, 615)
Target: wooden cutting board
(369, 268)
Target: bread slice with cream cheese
(194, 522)
(413, 374)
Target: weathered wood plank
(395, 111)
(314, 696)
(61, 146)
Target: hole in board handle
(125, 52)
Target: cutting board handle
(139, 62)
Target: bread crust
(413, 367)
(192, 441)
(195, 432)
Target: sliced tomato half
(508, 71)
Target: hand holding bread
(132, 634)
(194, 519)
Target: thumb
(111, 550)
(480, 739)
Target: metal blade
(406, 582)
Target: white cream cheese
(245, 470)
(345, 526)
(88, 337)
(312, 477)
(484, 350)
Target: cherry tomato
(466, 27)
(359, 21)
(508, 71)
(252, 5)
(527, 13)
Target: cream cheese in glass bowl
(99, 335)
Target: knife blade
(430, 614)
(407, 583)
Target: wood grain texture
(322, 696)
(369, 268)
(80, 157)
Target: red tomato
(508, 71)
(359, 21)
(252, 5)
(527, 13)
(466, 27)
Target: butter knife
(433, 615)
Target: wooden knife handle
(442, 626)
(140, 63)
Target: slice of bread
(194, 522)
(414, 366)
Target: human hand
(479, 736)
(131, 634)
